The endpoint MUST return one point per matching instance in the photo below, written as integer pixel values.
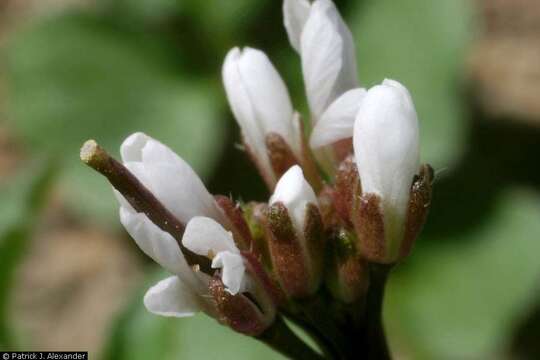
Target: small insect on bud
(295, 235)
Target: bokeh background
(70, 277)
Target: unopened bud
(386, 145)
(348, 278)
(261, 105)
(295, 235)
(238, 311)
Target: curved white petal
(233, 271)
(259, 101)
(131, 148)
(206, 237)
(160, 246)
(171, 297)
(337, 122)
(169, 178)
(154, 242)
(386, 144)
(328, 57)
(295, 193)
(295, 15)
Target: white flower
(179, 189)
(260, 103)
(172, 181)
(386, 146)
(186, 292)
(327, 49)
(295, 193)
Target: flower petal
(172, 181)
(206, 237)
(171, 297)
(337, 122)
(295, 15)
(328, 57)
(153, 241)
(131, 148)
(386, 144)
(233, 271)
(295, 193)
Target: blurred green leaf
(20, 203)
(460, 300)
(421, 43)
(74, 77)
(141, 335)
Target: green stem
(327, 346)
(282, 339)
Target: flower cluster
(350, 195)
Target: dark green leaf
(460, 300)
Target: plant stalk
(282, 339)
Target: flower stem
(376, 336)
(283, 340)
(372, 339)
(140, 198)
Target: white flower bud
(260, 103)
(296, 244)
(386, 146)
(295, 193)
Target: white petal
(131, 148)
(233, 271)
(172, 181)
(160, 246)
(206, 237)
(259, 100)
(337, 122)
(328, 57)
(153, 241)
(386, 145)
(267, 91)
(295, 193)
(295, 15)
(171, 297)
